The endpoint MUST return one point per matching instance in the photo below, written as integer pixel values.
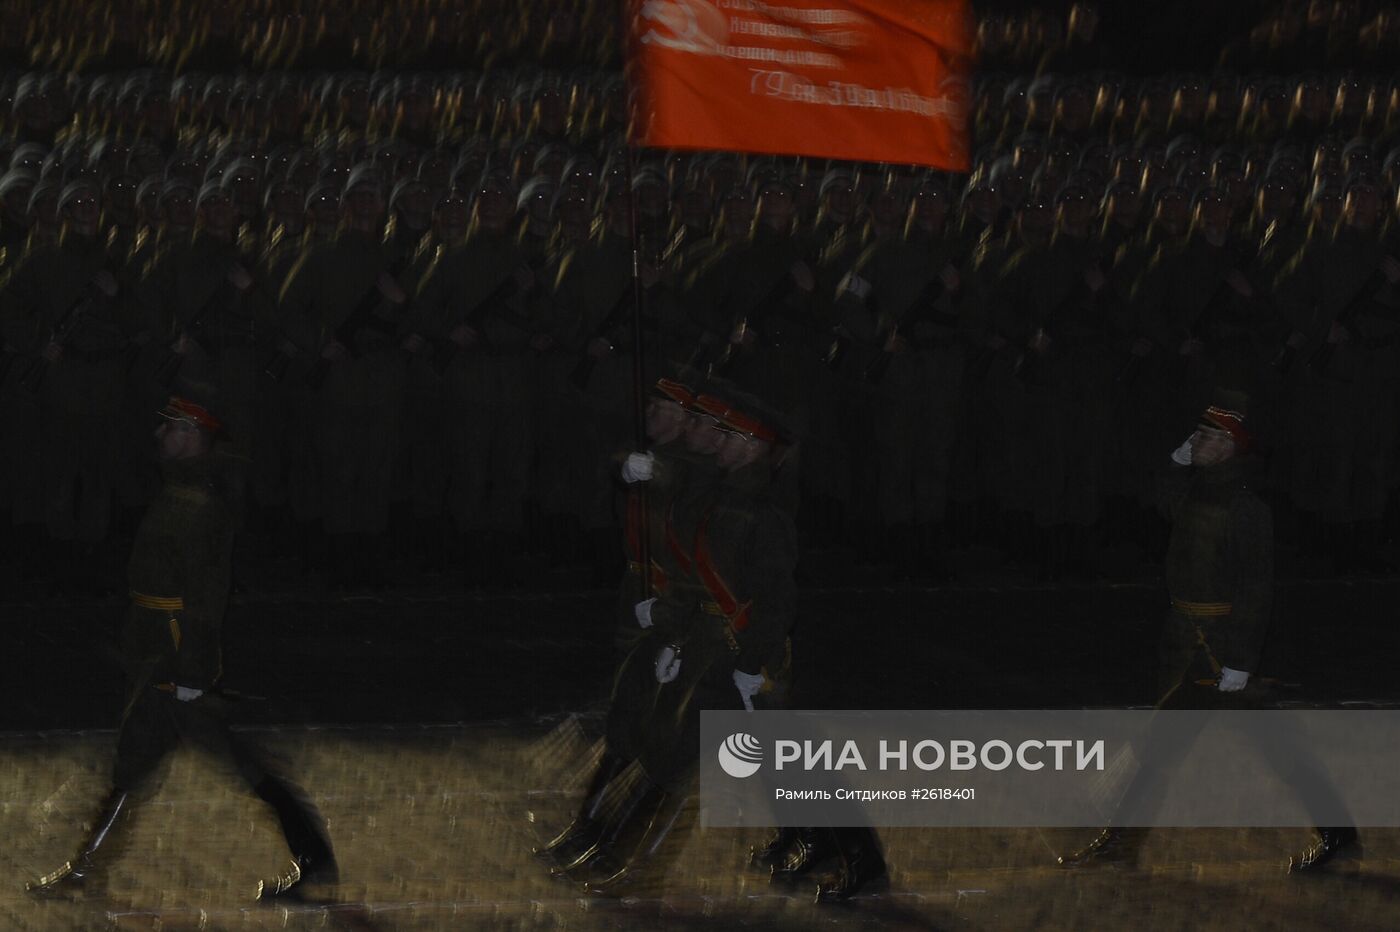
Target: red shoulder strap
(714, 583)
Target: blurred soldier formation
(412, 287)
(411, 290)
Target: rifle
(921, 310)
(1321, 358)
(33, 380)
(362, 317)
(169, 367)
(1128, 374)
(444, 351)
(1029, 366)
(775, 295)
(587, 362)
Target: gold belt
(1201, 609)
(712, 608)
(158, 602)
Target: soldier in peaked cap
(179, 575)
(663, 485)
(733, 637)
(1220, 575)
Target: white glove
(643, 611)
(185, 694)
(638, 467)
(668, 664)
(748, 685)
(1232, 681)
(1181, 456)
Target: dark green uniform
(486, 387)
(182, 555)
(280, 469)
(918, 390)
(188, 290)
(1340, 421)
(358, 408)
(678, 477)
(744, 553)
(675, 496)
(589, 299)
(82, 395)
(1219, 571)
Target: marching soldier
(1220, 574)
(179, 575)
(665, 484)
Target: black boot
(313, 861)
(773, 851)
(78, 873)
(862, 866)
(1330, 843)
(584, 831)
(643, 867)
(811, 847)
(619, 837)
(1111, 846)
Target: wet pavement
(440, 734)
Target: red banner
(865, 80)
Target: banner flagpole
(639, 432)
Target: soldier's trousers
(155, 723)
(706, 682)
(634, 698)
(1189, 677)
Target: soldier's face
(216, 214)
(777, 208)
(738, 216)
(493, 209)
(701, 435)
(83, 213)
(179, 440)
(696, 209)
(739, 450)
(666, 420)
(365, 202)
(1210, 446)
(415, 209)
(16, 205)
(1362, 208)
(841, 203)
